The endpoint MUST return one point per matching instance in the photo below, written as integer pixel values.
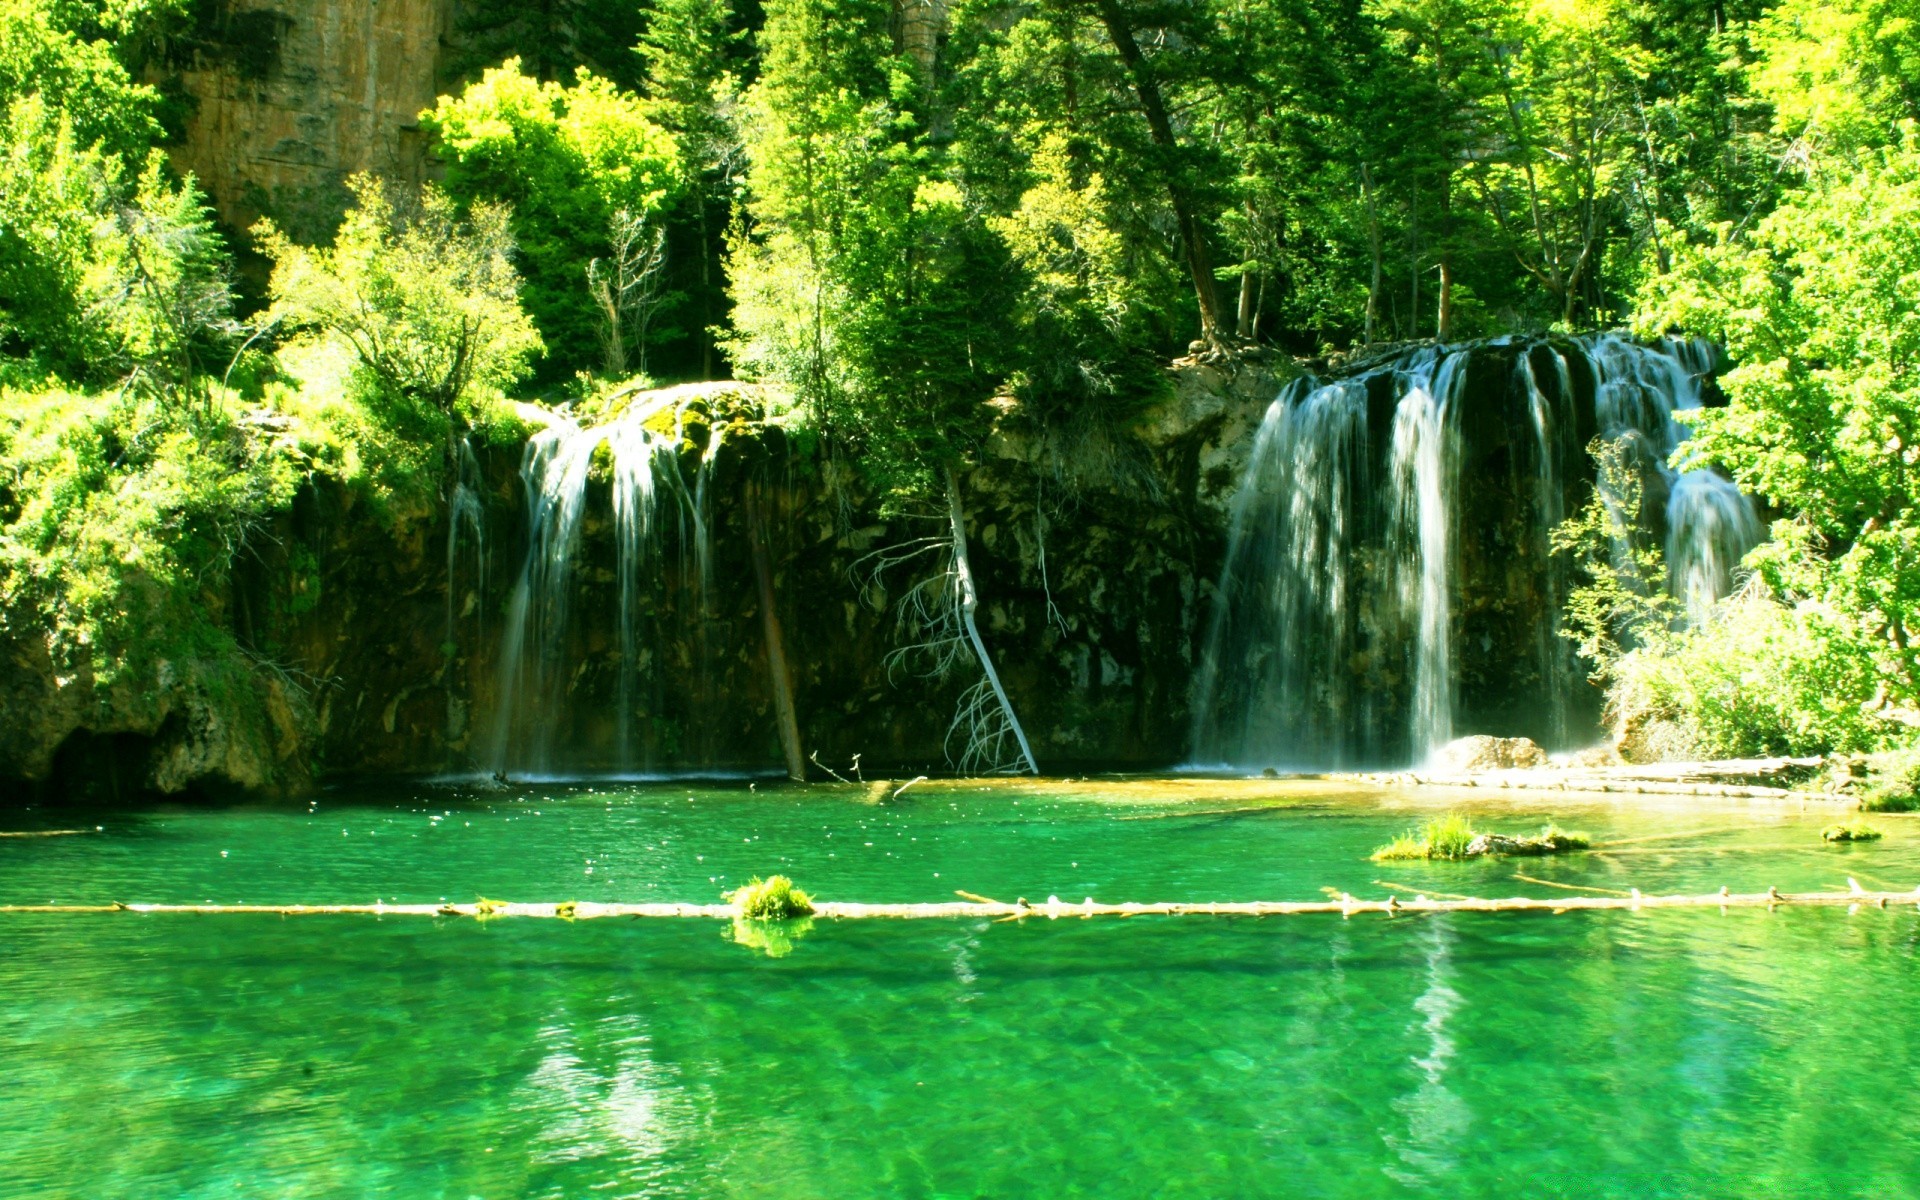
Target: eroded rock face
(216, 725)
(290, 97)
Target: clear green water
(1601, 1054)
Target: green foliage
(123, 517)
(1782, 667)
(771, 899)
(1815, 303)
(566, 161)
(1841, 73)
(59, 54)
(427, 302)
(1851, 831)
(106, 270)
(1895, 783)
(1620, 598)
(865, 281)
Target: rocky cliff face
(1095, 553)
(287, 98)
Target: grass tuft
(773, 899)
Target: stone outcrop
(212, 724)
(287, 98)
(1484, 753)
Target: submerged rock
(1549, 841)
(1484, 753)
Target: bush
(773, 899)
(1895, 785)
(1796, 662)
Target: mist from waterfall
(1336, 626)
(538, 668)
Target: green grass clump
(1851, 831)
(773, 899)
(1442, 837)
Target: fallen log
(1054, 908)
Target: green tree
(567, 160)
(427, 300)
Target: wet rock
(1550, 841)
(1483, 753)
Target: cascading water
(1425, 468)
(537, 668)
(1710, 525)
(1390, 546)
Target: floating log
(1345, 905)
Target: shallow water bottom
(1589, 1054)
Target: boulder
(1483, 753)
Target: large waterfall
(539, 664)
(1389, 578)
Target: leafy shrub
(1895, 785)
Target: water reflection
(1437, 1118)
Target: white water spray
(537, 669)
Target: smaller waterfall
(1710, 524)
(1364, 548)
(538, 668)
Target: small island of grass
(1454, 837)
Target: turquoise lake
(1676, 1053)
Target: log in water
(1052, 908)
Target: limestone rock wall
(288, 98)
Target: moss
(772, 899)
(1851, 831)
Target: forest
(893, 212)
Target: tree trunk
(1192, 237)
(778, 677)
(1443, 324)
(1373, 245)
(969, 603)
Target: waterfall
(1710, 524)
(1390, 546)
(538, 666)
(1425, 475)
